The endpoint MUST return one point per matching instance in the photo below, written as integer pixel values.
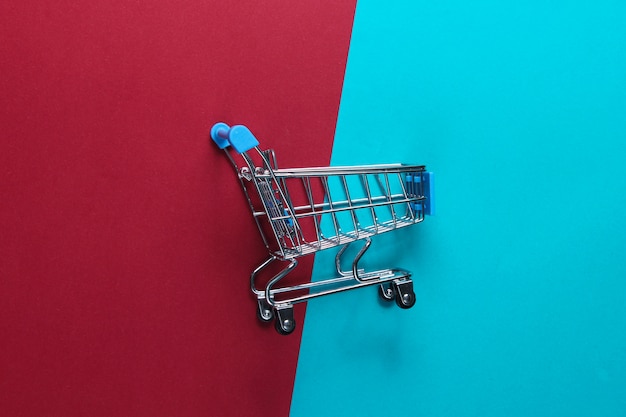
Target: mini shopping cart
(301, 211)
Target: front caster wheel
(284, 323)
(386, 292)
(405, 297)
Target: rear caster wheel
(264, 311)
(284, 323)
(405, 297)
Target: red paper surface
(125, 242)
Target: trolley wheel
(284, 323)
(264, 311)
(405, 297)
(386, 292)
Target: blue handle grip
(238, 136)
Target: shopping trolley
(301, 211)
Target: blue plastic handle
(238, 136)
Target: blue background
(520, 109)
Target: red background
(125, 242)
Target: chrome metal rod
(257, 270)
(398, 274)
(357, 258)
(268, 288)
(345, 170)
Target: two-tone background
(126, 245)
